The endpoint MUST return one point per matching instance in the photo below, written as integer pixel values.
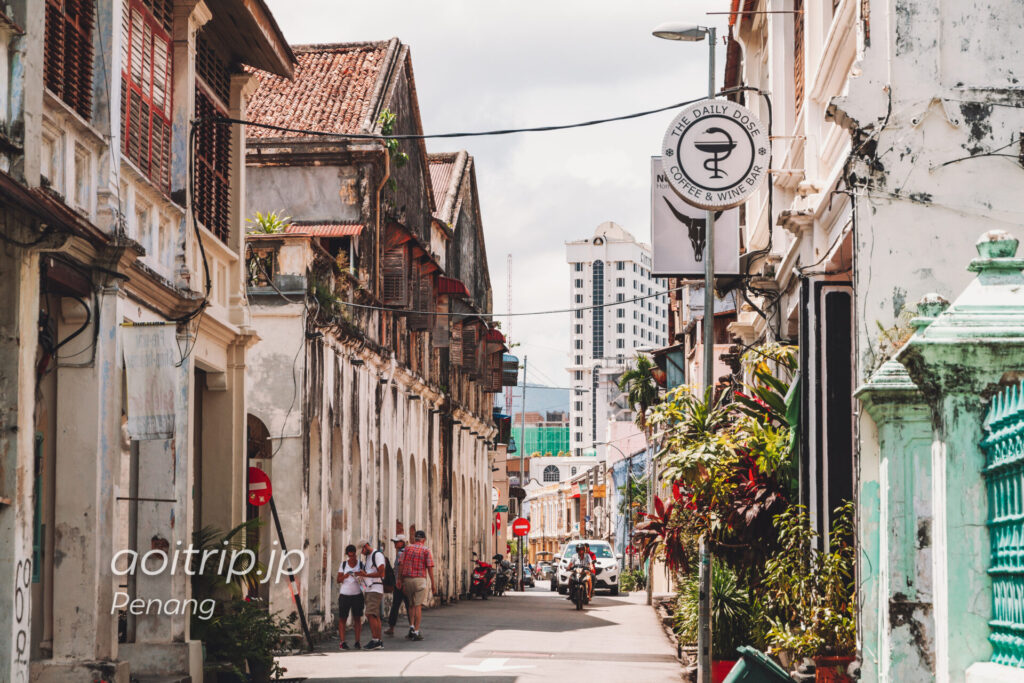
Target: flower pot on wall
(720, 669)
(832, 669)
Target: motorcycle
(578, 587)
(503, 575)
(483, 577)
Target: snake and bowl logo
(715, 154)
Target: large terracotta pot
(831, 669)
(720, 669)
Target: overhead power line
(506, 315)
(463, 134)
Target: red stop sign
(259, 487)
(521, 526)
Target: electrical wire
(462, 134)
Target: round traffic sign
(259, 487)
(521, 526)
(715, 154)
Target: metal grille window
(1004, 459)
(550, 473)
(146, 89)
(213, 143)
(67, 53)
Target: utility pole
(522, 480)
(704, 574)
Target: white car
(606, 575)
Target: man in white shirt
(373, 591)
(350, 595)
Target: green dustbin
(756, 667)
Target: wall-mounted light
(435, 411)
(464, 428)
(414, 397)
(456, 422)
(383, 380)
(358, 362)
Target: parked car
(606, 575)
(528, 579)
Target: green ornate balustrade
(1003, 446)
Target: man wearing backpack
(373, 591)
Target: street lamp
(693, 33)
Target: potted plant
(731, 622)
(810, 594)
(246, 636)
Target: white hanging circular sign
(715, 154)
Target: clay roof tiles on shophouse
(335, 88)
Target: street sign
(678, 231)
(501, 508)
(259, 487)
(599, 490)
(521, 526)
(715, 153)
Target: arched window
(550, 473)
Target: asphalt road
(531, 636)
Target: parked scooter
(483, 578)
(503, 574)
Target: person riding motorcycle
(582, 559)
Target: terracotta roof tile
(332, 90)
(325, 229)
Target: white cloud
(485, 65)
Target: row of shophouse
(896, 142)
(154, 348)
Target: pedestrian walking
(373, 591)
(417, 566)
(350, 596)
(398, 597)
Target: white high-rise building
(610, 272)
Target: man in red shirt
(411, 579)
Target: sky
(487, 65)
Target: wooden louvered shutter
(395, 273)
(439, 337)
(213, 141)
(146, 89)
(470, 341)
(68, 52)
(798, 56)
(455, 349)
(494, 372)
(423, 300)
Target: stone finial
(929, 308)
(996, 244)
(997, 257)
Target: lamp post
(694, 33)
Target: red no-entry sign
(521, 526)
(259, 487)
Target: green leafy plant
(387, 120)
(632, 580)
(209, 579)
(731, 611)
(267, 223)
(641, 388)
(808, 594)
(246, 636)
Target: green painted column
(959, 362)
(894, 532)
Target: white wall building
(614, 269)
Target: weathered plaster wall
(305, 193)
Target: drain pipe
(376, 215)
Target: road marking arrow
(489, 665)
